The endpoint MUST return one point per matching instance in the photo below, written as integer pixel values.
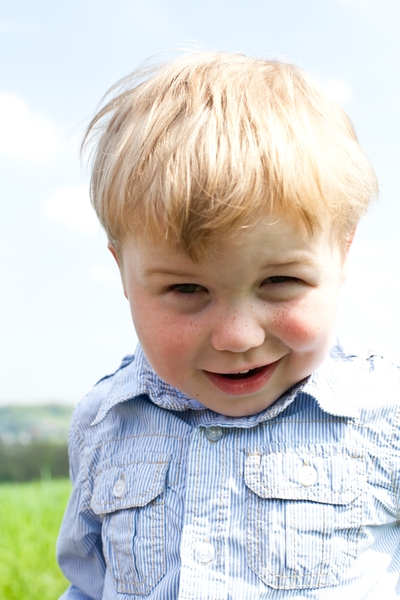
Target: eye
(276, 279)
(186, 288)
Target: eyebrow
(168, 271)
(308, 262)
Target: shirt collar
(334, 387)
(328, 385)
(137, 378)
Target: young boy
(237, 455)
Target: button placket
(204, 553)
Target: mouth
(242, 374)
(243, 382)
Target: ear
(350, 241)
(119, 263)
(114, 253)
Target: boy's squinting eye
(186, 288)
(281, 279)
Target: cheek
(292, 326)
(305, 323)
(166, 340)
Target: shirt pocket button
(119, 488)
(307, 475)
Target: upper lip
(243, 369)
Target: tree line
(37, 460)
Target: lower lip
(241, 387)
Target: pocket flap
(130, 484)
(331, 476)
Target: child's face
(265, 301)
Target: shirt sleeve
(79, 546)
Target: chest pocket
(130, 498)
(304, 515)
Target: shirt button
(119, 488)
(213, 433)
(307, 475)
(204, 553)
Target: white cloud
(339, 90)
(19, 28)
(25, 134)
(71, 207)
(105, 275)
(369, 308)
(363, 6)
(73, 144)
(151, 19)
(364, 249)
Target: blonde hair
(211, 141)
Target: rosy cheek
(172, 344)
(298, 325)
(293, 327)
(165, 339)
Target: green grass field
(30, 516)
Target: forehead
(273, 240)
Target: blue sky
(63, 319)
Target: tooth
(244, 371)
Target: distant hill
(26, 424)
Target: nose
(237, 330)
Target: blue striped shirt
(174, 501)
